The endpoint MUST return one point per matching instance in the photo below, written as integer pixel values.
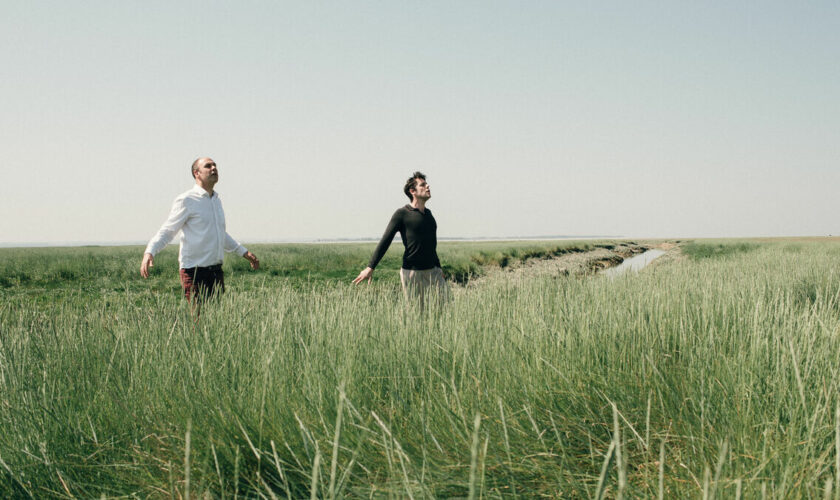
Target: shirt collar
(201, 192)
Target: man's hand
(255, 262)
(366, 274)
(148, 261)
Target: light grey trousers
(427, 284)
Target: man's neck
(419, 204)
(206, 186)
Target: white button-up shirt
(201, 220)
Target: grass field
(711, 375)
(101, 269)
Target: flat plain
(713, 372)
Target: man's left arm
(231, 245)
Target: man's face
(207, 172)
(422, 191)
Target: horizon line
(45, 244)
(57, 244)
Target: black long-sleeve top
(419, 236)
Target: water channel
(634, 264)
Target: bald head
(205, 173)
(200, 162)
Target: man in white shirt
(199, 216)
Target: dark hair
(411, 183)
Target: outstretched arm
(231, 245)
(390, 231)
(177, 218)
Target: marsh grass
(708, 377)
(98, 270)
(711, 249)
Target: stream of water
(634, 264)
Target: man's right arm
(390, 231)
(174, 223)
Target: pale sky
(638, 119)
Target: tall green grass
(709, 377)
(705, 249)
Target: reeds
(712, 377)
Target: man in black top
(420, 271)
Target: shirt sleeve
(177, 217)
(390, 231)
(231, 245)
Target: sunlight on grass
(705, 376)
